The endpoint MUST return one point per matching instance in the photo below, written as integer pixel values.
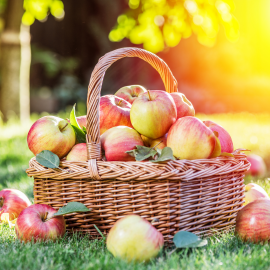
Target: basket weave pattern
(201, 196)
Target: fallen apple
(253, 221)
(190, 138)
(78, 153)
(12, 202)
(133, 238)
(153, 113)
(254, 192)
(117, 140)
(257, 165)
(51, 133)
(223, 136)
(37, 223)
(183, 106)
(130, 93)
(114, 111)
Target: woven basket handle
(94, 89)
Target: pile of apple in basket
(135, 124)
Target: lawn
(75, 252)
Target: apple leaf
(165, 154)
(184, 239)
(80, 133)
(84, 129)
(48, 159)
(71, 207)
(142, 152)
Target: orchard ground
(249, 131)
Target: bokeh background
(218, 50)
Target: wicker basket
(201, 196)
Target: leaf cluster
(154, 155)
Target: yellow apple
(254, 192)
(133, 238)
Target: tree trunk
(15, 64)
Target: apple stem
(149, 95)
(63, 127)
(45, 217)
(157, 144)
(1, 201)
(120, 101)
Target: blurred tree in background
(16, 52)
(158, 24)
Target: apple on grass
(114, 111)
(223, 136)
(133, 238)
(37, 223)
(78, 153)
(53, 134)
(183, 106)
(130, 93)
(12, 202)
(153, 113)
(257, 165)
(253, 221)
(189, 138)
(117, 140)
(254, 192)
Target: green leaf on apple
(72, 207)
(184, 239)
(80, 133)
(165, 154)
(48, 159)
(142, 152)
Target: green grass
(74, 252)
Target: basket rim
(176, 170)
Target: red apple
(190, 138)
(38, 224)
(183, 106)
(258, 167)
(51, 133)
(133, 238)
(114, 111)
(117, 140)
(12, 202)
(78, 153)
(153, 113)
(130, 93)
(254, 192)
(224, 137)
(253, 221)
(82, 120)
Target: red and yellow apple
(117, 140)
(257, 165)
(130, 93)
(183, 106)
(37, 223)
(133, 238)
(78, 153)
(153, 113)
(12, 202)
(114, 111)
(190, 138)
(51, 133)
(254, 192)
(224, 137)
(82, 120)
(159, 142)
(253, 221)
